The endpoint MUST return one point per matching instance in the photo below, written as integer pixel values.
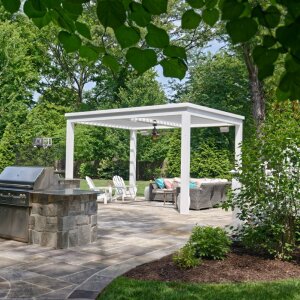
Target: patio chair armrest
(102, 187)
(119, 187)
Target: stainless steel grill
(16, 185)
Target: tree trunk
(257, 94)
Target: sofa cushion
(160, 183)
(168, 184)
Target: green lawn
(104, 182)
(129, 289)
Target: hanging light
(155, 133)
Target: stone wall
(63, 220)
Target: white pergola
(167, 116)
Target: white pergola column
(69, 150)
(132, 158)
(236, 185)
(184, 205)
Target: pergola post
(132, 158)
(69, 150)
(236, 185)
(184, 205)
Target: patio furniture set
(121, 190)
(204, 193)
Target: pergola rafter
(167, 116)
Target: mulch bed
(239, 266)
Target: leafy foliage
(243, 20)
(210, 162)
(269, 199)
(204, 242)
(210, 242)
(207, 161)
(185, 258)
(19, 74)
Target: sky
(213, 47)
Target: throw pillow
(193, 185)
(168, 184)
(160, 183)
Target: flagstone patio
(129, 234)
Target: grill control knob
(22, 196)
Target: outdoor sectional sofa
(207, 194)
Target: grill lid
(20, 176)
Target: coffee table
(166, 192)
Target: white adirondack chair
(105, 192)
(123, 191)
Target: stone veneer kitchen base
(63, 218)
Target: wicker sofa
(207, 194)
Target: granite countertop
(66, 192)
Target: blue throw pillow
(193, 185)
(160, 183)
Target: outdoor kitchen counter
(63, 218)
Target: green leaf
(289, 36)
(293, 7)
(190, 19)
(241, 30)
(83, 29)
(111, 62)
(272, 16)
(126, 3)
(257, 12)
(264, 56)
(63, 20)
(89, 53)
(175, 51)
(53, 4)
(74, 1)
(174, 67)
(289, 83)
(74, 9)
(269, 18)
(43, 21)
(291, 64)
(210, 16)
(156, 7)
(139, 15)
(141, 60)
(265, 71)
(211, 3)
(232, 9)
(156, 37)
(269, 41)
(127, 36)
(34, 8)
(111, 13)
(195, 3)
(11, 5)
(70, 41)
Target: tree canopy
(146, 44)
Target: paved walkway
(128, 235)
